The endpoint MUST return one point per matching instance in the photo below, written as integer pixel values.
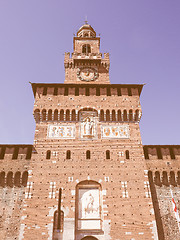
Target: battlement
(86, 90)
(161, 151)
(14, 151)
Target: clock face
(87, 74)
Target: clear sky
(142, 37)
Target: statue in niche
(88, 127)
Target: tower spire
(86, 21)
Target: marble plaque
(61, 131)
(115, 131)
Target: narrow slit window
(88, 154)
(107, 154)
(48, 154)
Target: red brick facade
(87, 142)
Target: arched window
(62, 115)
(24, 178)
(86, 49)
(137, 115)
(127, 154)
(17, 178)
(37, 115)
(88, 205)
(107, 154)
(157, 178)
(172, 179)
(88, 154)
(119, 116)
(50, 115)
(107, 115)
(56, 115)
(165, 178)
(102, 115)
(68, 154)
(44, 115)
(86, 34)
(48, 154)
(9, 179)
(67, 115)
(113, 115)
(73, 115)
(89, 238)
(2, 179)
(125, 115)
(130, 115)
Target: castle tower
(87, 142)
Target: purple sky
(142, 37)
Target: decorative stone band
(61, 131)
(107, 131)
(115, 131)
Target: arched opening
(89, 238)
(88, 205)
(48, 154)
(24, 178)
(107, 115)
(125, 115)
(2, 179)
(56, 115)
(9, 180)
(37, 115)
(127, 154)
(67, 115)
(172, 179)
(49, 115)
(119, 116)
(17, 178)
(89, 111)
(137, 115)
(73, 115)
(102, 115)
(107, 154)
(157, 178)
(130, 115)
(113, 115)
(62, 115)
(44, 115)
(86, 49)
(68, 154)
(165, 178)
(88, 154)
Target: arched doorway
(89, 238)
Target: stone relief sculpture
(61, 131)
(88, 125)
(89, 203)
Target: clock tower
(86, 65)
(87, 147)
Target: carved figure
(88, 127)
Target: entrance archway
(89, 238)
